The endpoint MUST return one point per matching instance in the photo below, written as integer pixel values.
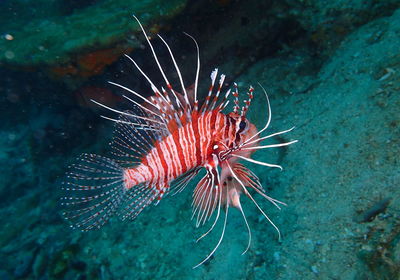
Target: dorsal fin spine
(197, 68)
(131, 91)
(172, 111)
(143, 126)
(224, 100)
(236, 101)
(247, 102)
(153, 87)
(158, 105)
(224, 105)
(221, 82)
(179, 74)
(144, 108)
(213, 77)
(153, 52)
(178, 120)
(124, 113)
(178, 103)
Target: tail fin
(94, 191)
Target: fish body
(161, 145)
(186, 148)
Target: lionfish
(161, 145)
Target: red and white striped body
(188, 147)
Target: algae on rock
(57, 39)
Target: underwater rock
(81, 43)
(39, 264)
(24, 266)
(347, 124)
(4, 275)
(78, 265)
(380, 249)
(377, 208)
(329, 21)
(62, 260)
(17, 168)
(346, 118)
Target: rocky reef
(332, 70)
(76, 38)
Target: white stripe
(146, 173)
(167, 158)
(207, 134)
(173, 156)
(135, 175)
(153, 166)
(177, 160)
(159, 167)
(201, 134)
(184, 145)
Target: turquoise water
(331, 69)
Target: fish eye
(242, 125)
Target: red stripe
(171, 156)
(190, 145)
(226, 133)
(196, 140)
(204, 129)
(151, 167)
(209, 131)
(212, 120)
(162, 159)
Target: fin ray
(130, 144)
(92, 191)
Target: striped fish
(161, 145)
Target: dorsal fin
(134, 137)
(167, 105)
(210, 91)
(186, 106)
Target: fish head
(243, 134)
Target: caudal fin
(94, 191)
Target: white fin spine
(221, 83)
(247, 102)
(269, 116)
(131, 91)
(224, 101)
(142, 126)
(179, 76)
(144, 108)
(236, 100)
(152, 51)
(213, 77)
(124, 113)
(196, 82)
